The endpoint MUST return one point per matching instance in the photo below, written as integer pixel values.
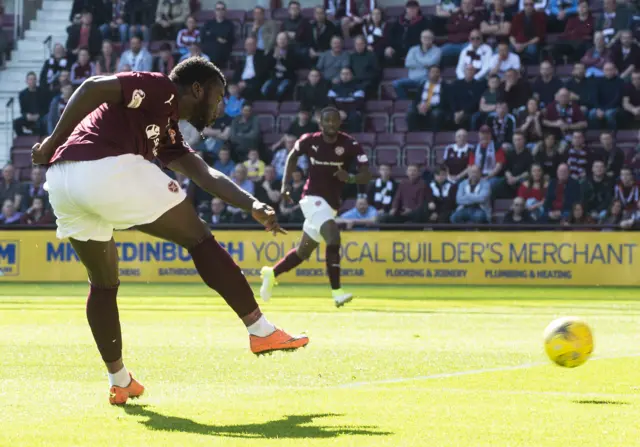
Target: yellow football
(568, 341)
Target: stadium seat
(416, 155)
(444, 138)
(564, 71)
(449, 74)
(401, 105)
(289, 107)
(394, 139)
(302, 74)
(249, 15)
(228, 73)
(236, 15)
(267, 123)
(270, 138)
(25, 142)
(376, 122)
(283, 121)
(378, 106)
(593, 136)
(24, 174)
(386, 91)
(500, 208)
(388, 155)
(420, 138)
(349, 44)
(307, 13)
(347, 205)
(438, 154)
(279, 14)
(154, 46)
(428, 11)
(391, 74)
(393, 12)
(399, 122)
(266, 107)
(21, 158)
(369, 151)
(365, 138)
(205, 15)
(627, 136)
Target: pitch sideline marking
(462, 373)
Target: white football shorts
(93, 198)
(316, 212)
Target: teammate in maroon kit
(330, 154)
(101, 179)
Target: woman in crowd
(107, 61)
(533, 191)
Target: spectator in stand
(107, 63)
(322, 31)
(10, 214)
(298, 29)
(330, 63)
(459, 26)
(84, 35)
(614, 214)
(558, 13)
(280, 157)
(382, 190)
(456, 157)
(164, 61)
(577, 36)
(350, 13)
(444, 10)
(582, 89)
(406, 33)
(245, 132)
(609, 91)
(465, 97)
(365, 67)
(52, 67)
(348, 97)
(255, 166)
(533, 191)
(613, 157)
(252, 72)
(215, 213)
(10, 188)
(488, 103)
(362, 214)
(518, 214)
(418, 61)
(613, 20)
(477, 54)
(238, 215)
(233, 103)
(503, 60)
(473, 199)
(409, 198)
(579, 157)
(578, 216)
(440, 198)
(528, 32)
(626, 56)
(217, 36)
(302, 124)
(34, 105)
(268, 189)
(170, 17)
(488, 157)
(57, 106)
(563, 116)
(83, 69)
(263, 31)
(529, 122)
(502, 124)
(34, 189)
(429, 110)
(224, 163)
(626, 190)
(516, 91)
(115, 26)
(516, 169)
(216, 135)
(376, 30)
(549, 154)
(632, 221)
(496, 26)
(597, 192)
(546, 85)
(562, 194)
(137, 57)
(631, 100)
(281, 67)
(187, 36)
(37, 214)
(140, 15)
(313, 94)
(290, 211)
(596, 56)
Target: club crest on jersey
(153, 131)
(173, 187)
(136, 99)
(339, 151)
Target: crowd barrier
(368, 257)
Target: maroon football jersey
(145, 123)
(324, 161)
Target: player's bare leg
(217, 269)
(101, 261)
(331, 234)
(291, 260)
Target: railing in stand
(9, 122)
(47, 46)
(18, 14)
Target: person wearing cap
(488, 157)
(429, 110)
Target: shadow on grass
(600, 402)
(290, 427)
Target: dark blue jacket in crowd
(572, 194)
(609, 93)
(466, 96)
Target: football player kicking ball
(330, 153)
(101, 179)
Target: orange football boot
(279, 340)
(119, 395)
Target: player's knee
(104, 279)
(334, 239)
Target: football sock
(121, 378)
(104, 320)
(218, 270)
(262, 327)
(289, 262)
(332, 255)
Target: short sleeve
(301, 147)
(358, 153)
(173, 147)
(149, 92)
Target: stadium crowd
(464, 106)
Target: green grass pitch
(398, 367)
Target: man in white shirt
(251, 73)
(504, 60)
(137, 57)
(477, 54)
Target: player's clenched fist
(266, 216)
(342, 175)
(41, 152)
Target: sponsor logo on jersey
(339, 150)
(173, 187)
(325, 163)
(9, 255)
(136, 99)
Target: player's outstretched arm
(218, 184)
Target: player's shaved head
(330, 122)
